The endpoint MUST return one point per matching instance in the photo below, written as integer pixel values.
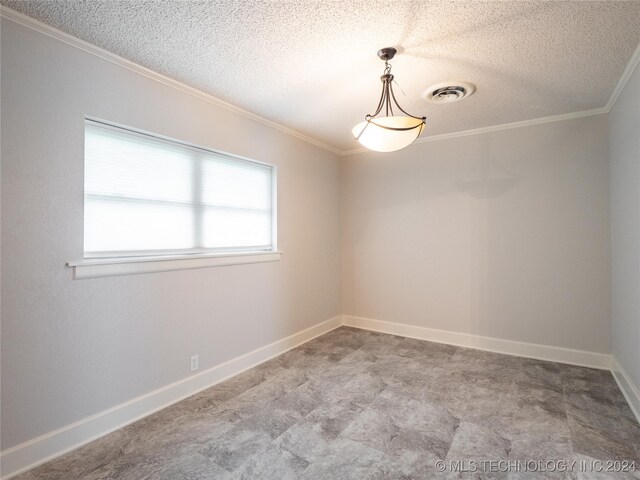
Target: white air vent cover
(448, 92)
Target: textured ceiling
(312, 66)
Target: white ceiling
(312, 65)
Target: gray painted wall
(72, 348)
(624, 148)
(503, 234)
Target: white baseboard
(39, 450)
(509, 347)
(630, 390)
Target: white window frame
(100, 264)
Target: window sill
(107, 267)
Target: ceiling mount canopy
(390, 131)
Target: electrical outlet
(195, 363)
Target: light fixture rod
(398, 105)
(387, 99)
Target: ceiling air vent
(448, 92)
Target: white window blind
(146, 195)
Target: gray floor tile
(233, 448)
(346, 460)
(600, 444)
(395, 423)
(272, 463)
(479, 444)
(311, 438)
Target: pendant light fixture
(390, 132)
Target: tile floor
(360, 405)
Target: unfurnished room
(319, 240)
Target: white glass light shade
(381, 139)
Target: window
(150, 196)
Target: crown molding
(24, 20)
(41, 27)
(496, 128)
(633, 63)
